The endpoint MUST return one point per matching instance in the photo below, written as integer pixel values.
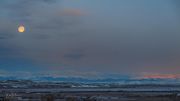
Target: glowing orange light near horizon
(21, 29)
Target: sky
(90, 38)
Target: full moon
(21, 29)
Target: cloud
(160, 76)
(72, 12)
(74, 56)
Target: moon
(21, 29)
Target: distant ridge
(104, 80)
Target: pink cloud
(160, 76)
